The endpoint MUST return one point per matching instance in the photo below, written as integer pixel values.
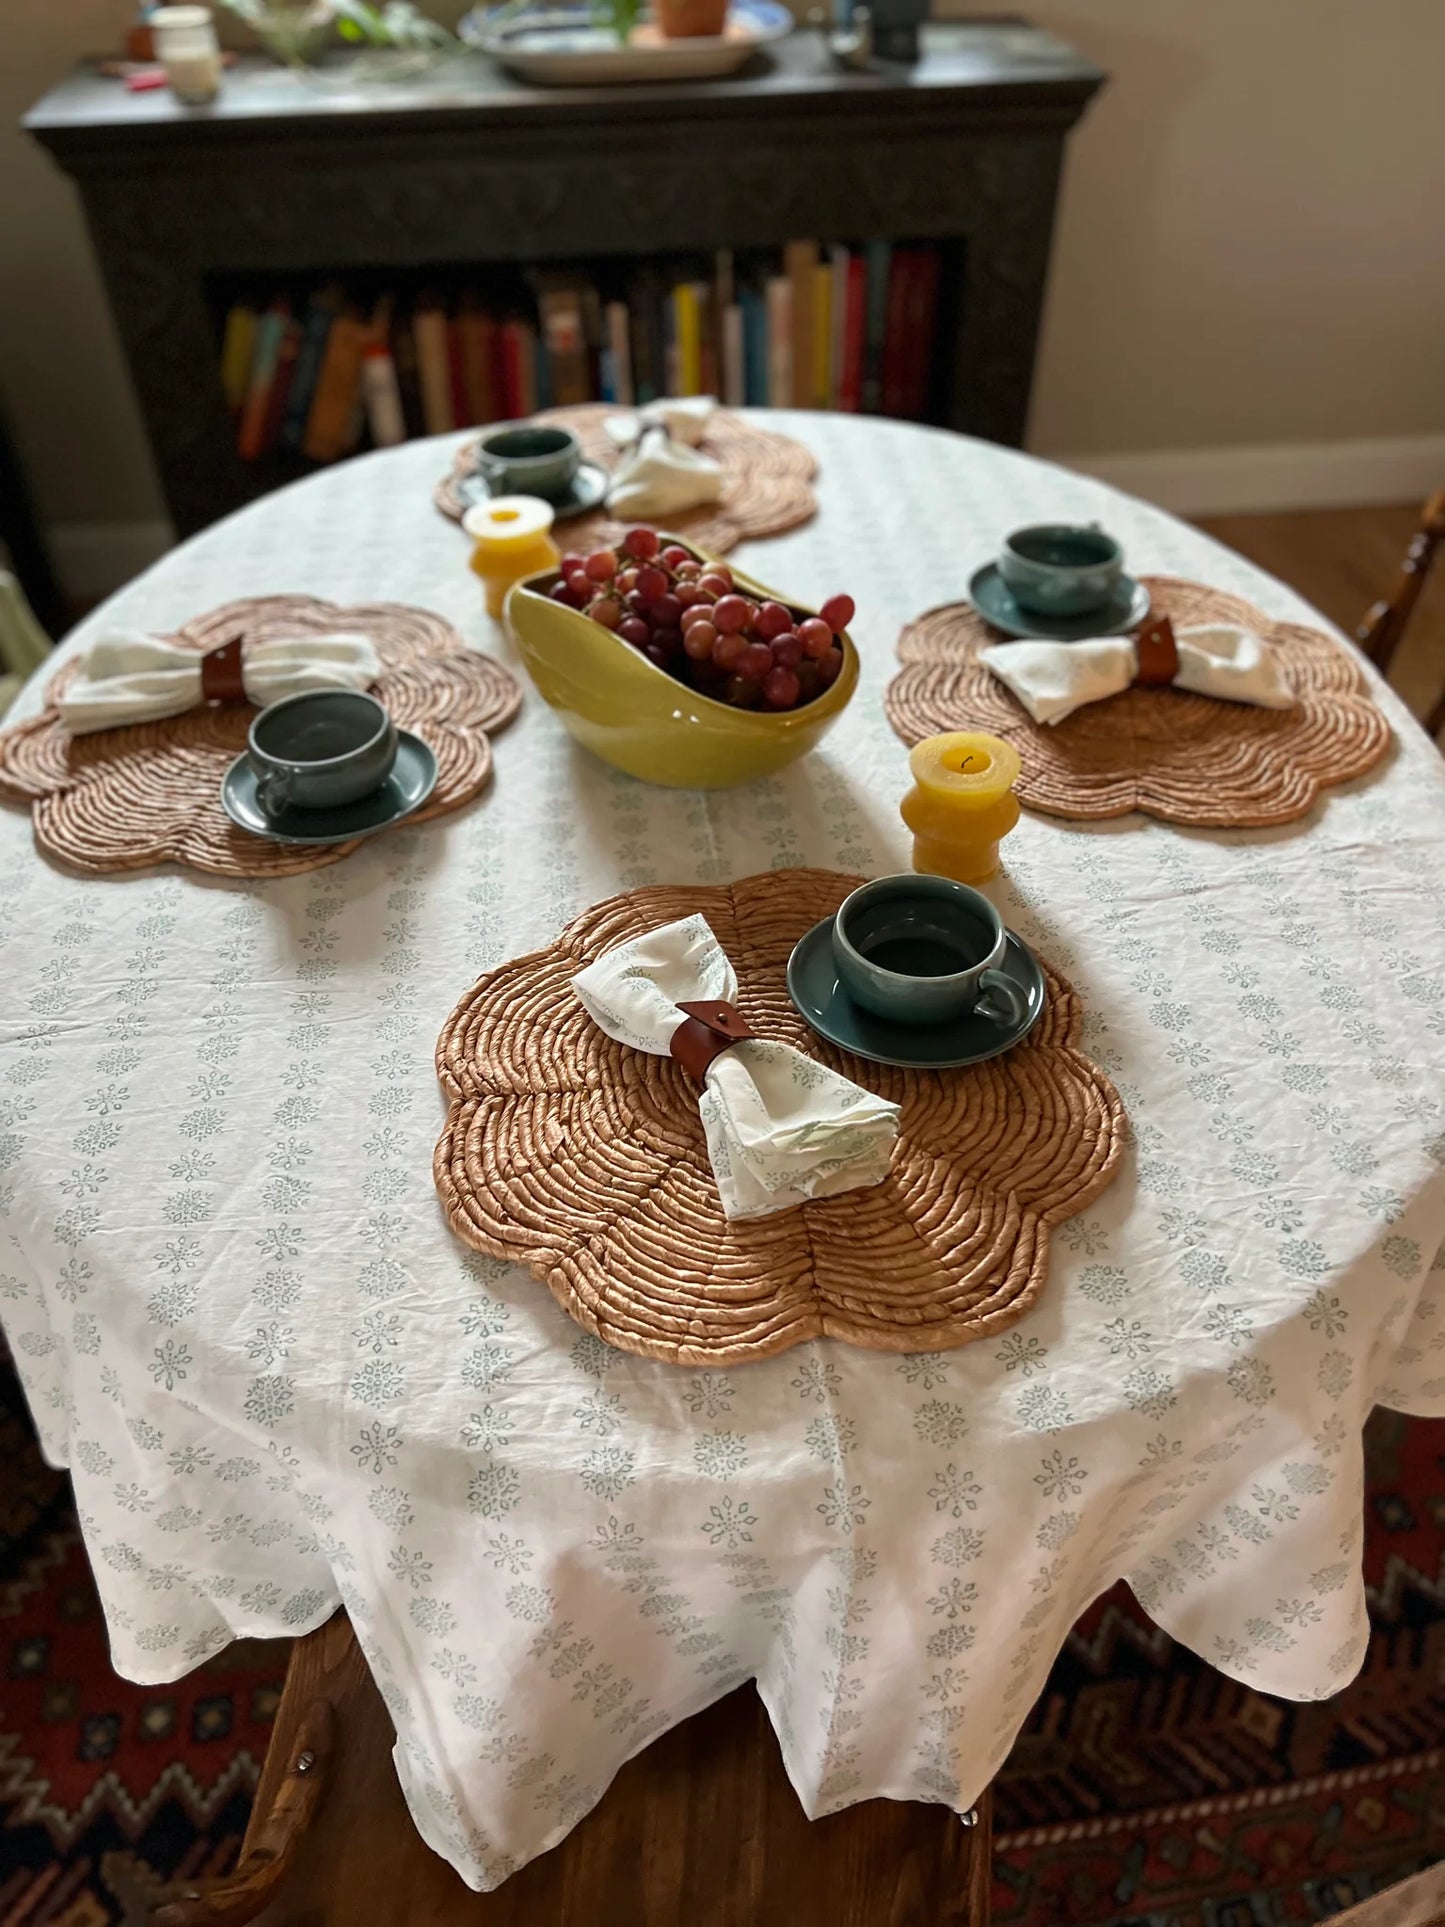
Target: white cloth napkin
(659, 477)
(685, 417)
(1053, 679)
(780, 1127)
(128, 677)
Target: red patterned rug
(107, 1790)
(1146, 1791)
(1149, 1790)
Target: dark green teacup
(320, 749)
(924, 950)
(1060, 569)
(529, 458)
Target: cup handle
(1001, 983)
(273, 794)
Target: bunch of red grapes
(687, 617)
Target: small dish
(588, 490)
(819, 996)
(412, 779)
(993, 599)
(565, 46)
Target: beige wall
(1251, 244)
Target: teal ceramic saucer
(588, 488)
(814, 988)
(991, 596)
(412, 780)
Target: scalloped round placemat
(585, 1161)
(767, 483)
(1174, 755)
(147, 793)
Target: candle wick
(965, 763)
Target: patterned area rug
(107, 1790)
(1146, 1790)
(1149, 1790)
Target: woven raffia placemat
(1171, 754)
(767, 483)
(585, 1160)
(123, 799)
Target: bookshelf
(464, 172)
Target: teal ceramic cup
(529, 458)
(923, 950)
(320, 749)
(1060, 569)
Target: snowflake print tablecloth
(280, 1384)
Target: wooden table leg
(702, 1828)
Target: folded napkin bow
(1053, 679)
(780, 1127)
(659, 477)
(128, 677)
(685, 417)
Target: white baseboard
(94, 559)
(1283, 475)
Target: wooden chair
(1380, 634)
(702, 1829)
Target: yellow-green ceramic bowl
(640, 719)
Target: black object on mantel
(467, 165)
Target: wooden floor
(1341, 560)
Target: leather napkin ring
(1157, 652)
(711, 1028)
(221, 679)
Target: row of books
(847, 328)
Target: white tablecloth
(280, 1383)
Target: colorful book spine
(922, 328)
(894, 396)
(251, 436)
(457, 375)
(709, 350)
(408, 377)
(434, 364)
(800, 262)
(687, 340)
(564, 342)
(855, 325)
(734, 357)
(755, 348)
(478, 338)
(875, 325)
(619, 349)
(282, 382)
(331, 420)
(839, 263)
(320, 314)
(822, 396)
(382, 395)
(238, 351)
(780, 342)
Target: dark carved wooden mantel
(285, 175)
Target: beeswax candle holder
(513, 538)
(961, 804)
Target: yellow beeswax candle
(513, 538)
(961, 803)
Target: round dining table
(283, 1386)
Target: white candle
(187, 48)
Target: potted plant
(684, 19)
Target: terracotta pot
(685, 19)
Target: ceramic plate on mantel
(564, 47)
